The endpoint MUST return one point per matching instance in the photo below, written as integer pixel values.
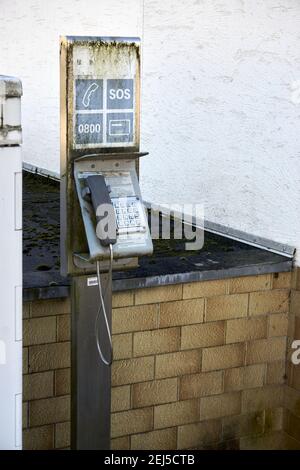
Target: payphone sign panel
(106, 84)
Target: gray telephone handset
(99, 194)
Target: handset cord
(102, 307)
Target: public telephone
(104, 225)
(100, 98)
(112, 208)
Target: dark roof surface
(170, 262)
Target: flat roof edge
(48, 293)
(282, 249)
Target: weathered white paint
(220, 115)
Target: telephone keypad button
(127, 213)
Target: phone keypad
(127, 213)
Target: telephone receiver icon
(88, 94)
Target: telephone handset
(99, 194)
(98, 191)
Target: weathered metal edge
(182, 278)
(41, 171)
(282, 249)
(44, 293)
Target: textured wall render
(219, 108)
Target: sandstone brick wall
(196, 365)
(292, 394)
(46, 368)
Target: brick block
(156, 342)
(282, 280)
(122, 346)
(174, 414)
(26, 309)
(137, 318)
(152, 295)
(204, 289)
(295, 379)
(266, 350)
(179, 363)
(276, 372)
(273, 301)
(293, 427)
(62, 384)
(49, 356)
(120, 398)
(297, 328)
(270, 441)
(296, 278)
(120, 443)
(193, 436)
(25, 360)
(64, 328)
(223, 357)
(39, 331)
(155, 440)
(122, 299)
(241, 378)
(37, 386)
(245, 329)
(42, 308)
(41, 438)
(295, 303)
(249, 283)
(181, 312)
(226, 307)
(202, 335)
(131, 422)
(244, 377)
(132, 370)
(201, 385)
(154, 392)
(274, 420)
(25, 409)
(278, 324)
(263, 398)
(62, 435)
(292, 400)
(288, 372)
(49, 410)
(243, 425)
(291, 326)
(218, 406)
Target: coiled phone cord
(105, 361)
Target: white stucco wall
(220, 115)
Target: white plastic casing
(10, 266)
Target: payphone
(103, 220)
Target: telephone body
(113, 182)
